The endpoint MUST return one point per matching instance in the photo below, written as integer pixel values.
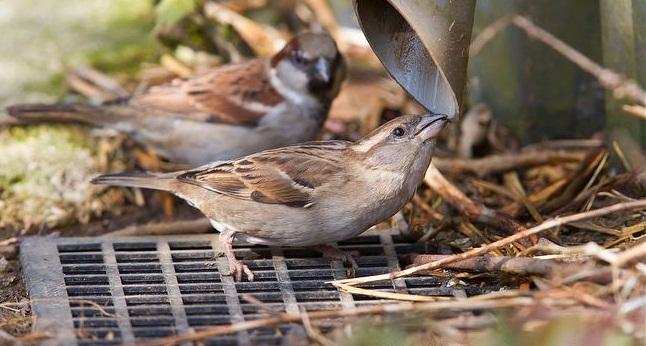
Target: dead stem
(620, 86)
(474, 211)
(506, 162)
(635, 110)
(486, 264)
(577, 180)
(549, 224)
(487, 34)
(101, 80)
(537, 198)
(607, 185)
(468, 304)
(312, 332)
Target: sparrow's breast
(289, 124)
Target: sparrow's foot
(347, 258)
(236, 267)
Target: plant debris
(559, 222)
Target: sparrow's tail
(57, 113)
(155, 181)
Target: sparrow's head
(402, 141)
(309, 66)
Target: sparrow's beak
(430, 126)
(322, 72)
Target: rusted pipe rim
(423, 45)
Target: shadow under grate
(95, 291)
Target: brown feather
(219, 96)
(285, 176)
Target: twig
(32, 338)
(164, 228)
(507, 264)
(487, 34)
(474, 211)
(606, 185)
(87, 89)
(516, 196)
(537, 198)
(388, 295)
(175, 66)
(520, 266)
(566, 144)
(506, 162)
(325, 15)
(631, 254)
(93, 304)
(638, 111)
(434, 214)
(459, 305)
(620, 86)
(101, 80)
(263, 39)
(622, 156)
(577, 180)
(312, 332)
(549, 224)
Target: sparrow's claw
(347, 258)
(237, 268)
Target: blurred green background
(41, 37)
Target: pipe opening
(405, 56)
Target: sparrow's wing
(235, 94)
(287, 176)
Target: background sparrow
(232, 111)
(308, 194)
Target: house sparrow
(227, 113)
(309, 194)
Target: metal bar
(156, 300)
(46, 287)
(284, 282)
(393, 262)
(172, 287)
(230, 292)
(118, 297)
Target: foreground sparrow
(305, 195)
(232, 111)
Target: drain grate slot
(89, 291)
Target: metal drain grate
(95, 291)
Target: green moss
(127, 39)
(169, 12)
(55, 85)
(123, 57)
(44, 176)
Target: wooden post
(531, 88)
(624, 51)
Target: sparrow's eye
(398, 132)
(299, 58)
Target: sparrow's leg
(333, 253)
(236, 267)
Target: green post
(531, 88)
(624, 51)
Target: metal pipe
(423, 44)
